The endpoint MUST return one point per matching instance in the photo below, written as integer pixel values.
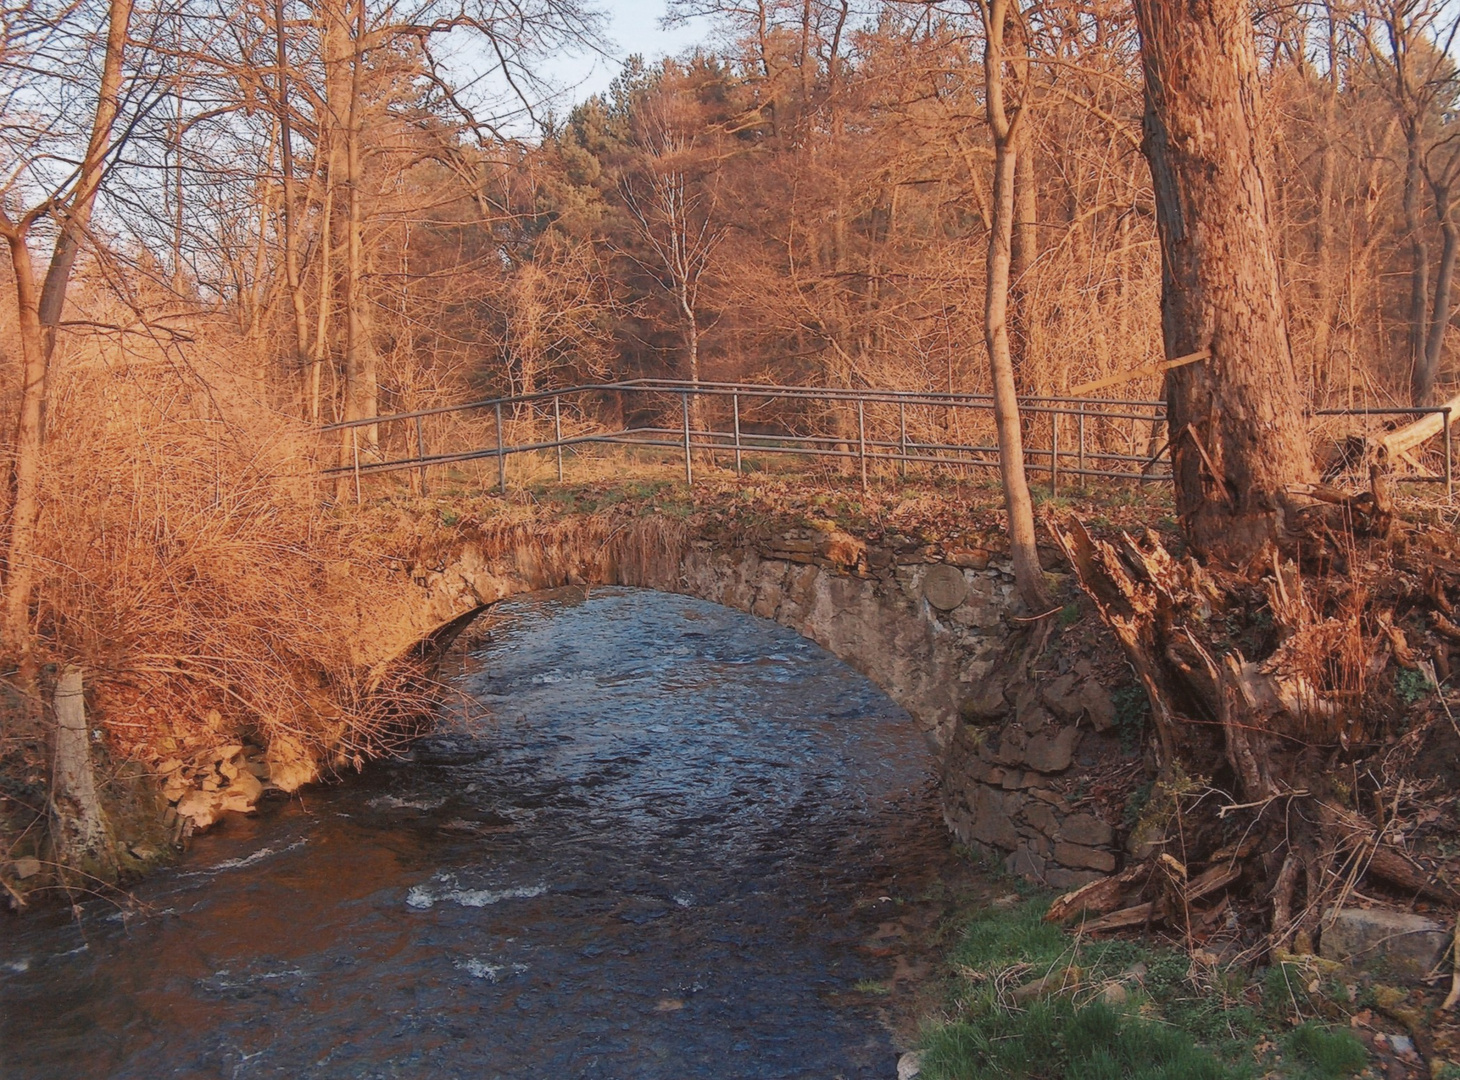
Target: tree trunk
(1419, 262)
(1439, 321)
(20, 573)
(1024, 252)
(1238, 440)
(80, 837)
(39, 317)
(1028, 574)
(291, 230)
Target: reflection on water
(655, 852)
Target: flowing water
(656, 839)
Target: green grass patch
(1122, 1010)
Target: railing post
(501, 457)
(735, 404)
(558, 435)
(421, 452)
(862, 441)
(1054, 453)
(1449, 458)
(355, 446)
(689, 471)
(902, 434)
(1082, 445)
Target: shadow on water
(654, 841)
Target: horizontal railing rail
(899, 448)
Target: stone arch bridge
(928, 623)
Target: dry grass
(192, 567)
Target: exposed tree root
(1281, 797)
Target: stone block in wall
(992, 821)
(1059, 878)
(1042, 817)
(969, 558)
(1052, 752)
(1086, 829)
(1077, 856)
(1054, 799)
(1026, 864)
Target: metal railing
(892, 440)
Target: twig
(1223, 811)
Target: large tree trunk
(1028, 574)
(1238, 440)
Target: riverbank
(1024, 997)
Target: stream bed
(651, 838)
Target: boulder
(1412, 944)
(910, 1065)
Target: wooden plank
(1135, 373)
(1422, 430)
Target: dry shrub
(192, 568)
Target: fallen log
(1100, 896)
(1401, 440)
(1121, 920)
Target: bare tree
(674, 218)
(1005, 117)
(68, 200)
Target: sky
(633, 27)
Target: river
(651, 838)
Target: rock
(1409, 943)
(1098, 706)
(1051, 753)
(1082, 858)
(1114, 994)
(985, 706)
(991, 821)
(1026, 864)
(27, 866)
(1060, 878)
(144, 851)
(246, 785)
(1063, 698)
(910, 1065)
(945, 587)
(843, 550)
(1086, 829)
(202, 807)
(1060, 980)
(970, 558)
(1042, 818)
